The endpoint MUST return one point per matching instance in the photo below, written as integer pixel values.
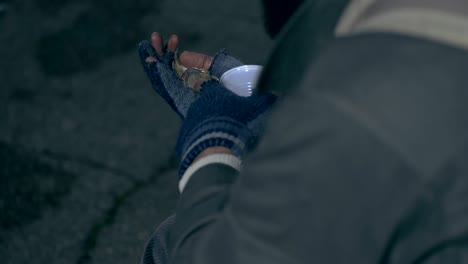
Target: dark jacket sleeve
(298, 200)
(365, 162)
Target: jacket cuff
(226, 159)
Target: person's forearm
(200, 201)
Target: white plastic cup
(242, 80)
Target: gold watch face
(192, 77)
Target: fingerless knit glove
(165, 81)
(220, 118)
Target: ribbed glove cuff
(214, 132)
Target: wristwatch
(192, 77)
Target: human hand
(220, 121)
(186, 58)
(157, 62)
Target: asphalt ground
(87, 167)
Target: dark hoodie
(364, 160)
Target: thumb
(195, 59)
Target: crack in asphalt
(94, 232)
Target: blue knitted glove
(220, 118)
(165, 81)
